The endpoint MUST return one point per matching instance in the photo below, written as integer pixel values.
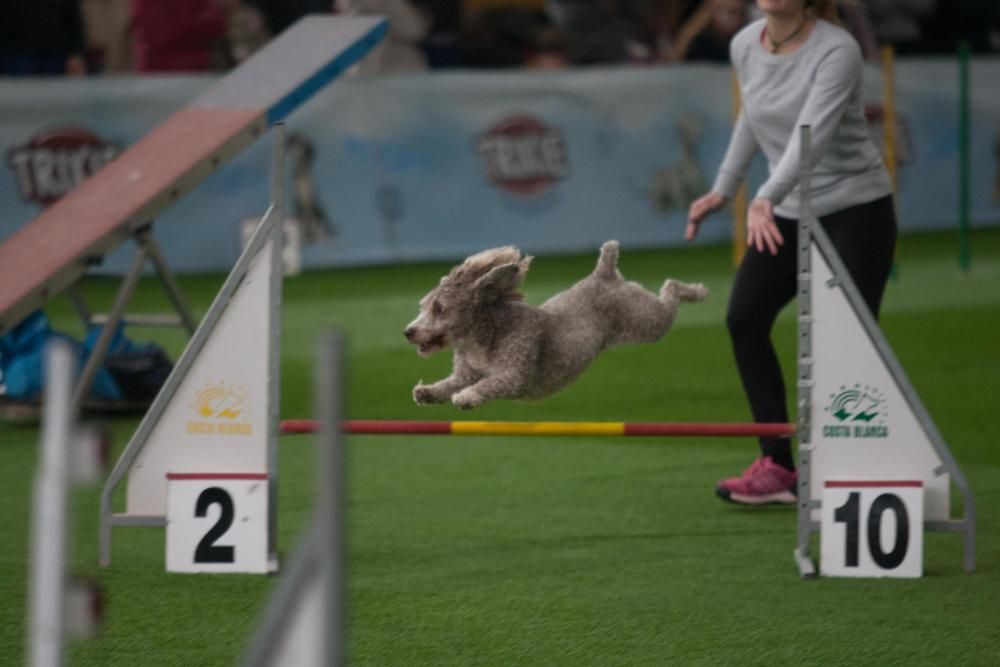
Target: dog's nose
(410, 333)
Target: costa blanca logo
(56, 160)
(857, 412)
(221, 409)
(523, 156)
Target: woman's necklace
(775, 44)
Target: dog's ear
(500, 280)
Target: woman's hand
(700, 208)
(761, 229)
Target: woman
(795, 67)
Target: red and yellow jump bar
(668, 429)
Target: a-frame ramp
(54, 250)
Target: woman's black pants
(865, 238)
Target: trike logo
(523, 156)
(857, 412)
(56, 160)
(221, 409)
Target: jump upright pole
(668, 429)
(964, 159)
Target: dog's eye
(437, 308)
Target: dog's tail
(607, 263)
(674, 290)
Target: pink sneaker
(763, 483)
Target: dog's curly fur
(506, 348)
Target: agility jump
(579, 429)
(841, 349)
(843, 357)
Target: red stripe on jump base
(216, 475)
(872, 483)
(676, 429)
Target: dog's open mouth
(431, 346)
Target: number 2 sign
(872, 529)
(217, 522)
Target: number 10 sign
(872, 529)
(217, 522)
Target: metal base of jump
(662, 429)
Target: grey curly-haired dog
(506, 348)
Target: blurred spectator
(566, 12)
(402, 49)
(41, 38)
(659, 25)
(280, 14)
(973, 21)
(706, 35)
(501, 37)
(443, 43)
(548, 50)
(600, 31)
(472, 7)
(696, 20)
(106, 27)
(246, 32)
(178, 36)
(501, 33)
(898, 22)
(855, 19)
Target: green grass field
(585, 551)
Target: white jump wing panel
(217, 419)
(865, 423)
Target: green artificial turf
(562, 551)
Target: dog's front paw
(467, 399)
(424, 395)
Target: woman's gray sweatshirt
(818, 85)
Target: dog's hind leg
(607, 263)
(644, 317)
(508, 384)
(633, 314)
(439, 392)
